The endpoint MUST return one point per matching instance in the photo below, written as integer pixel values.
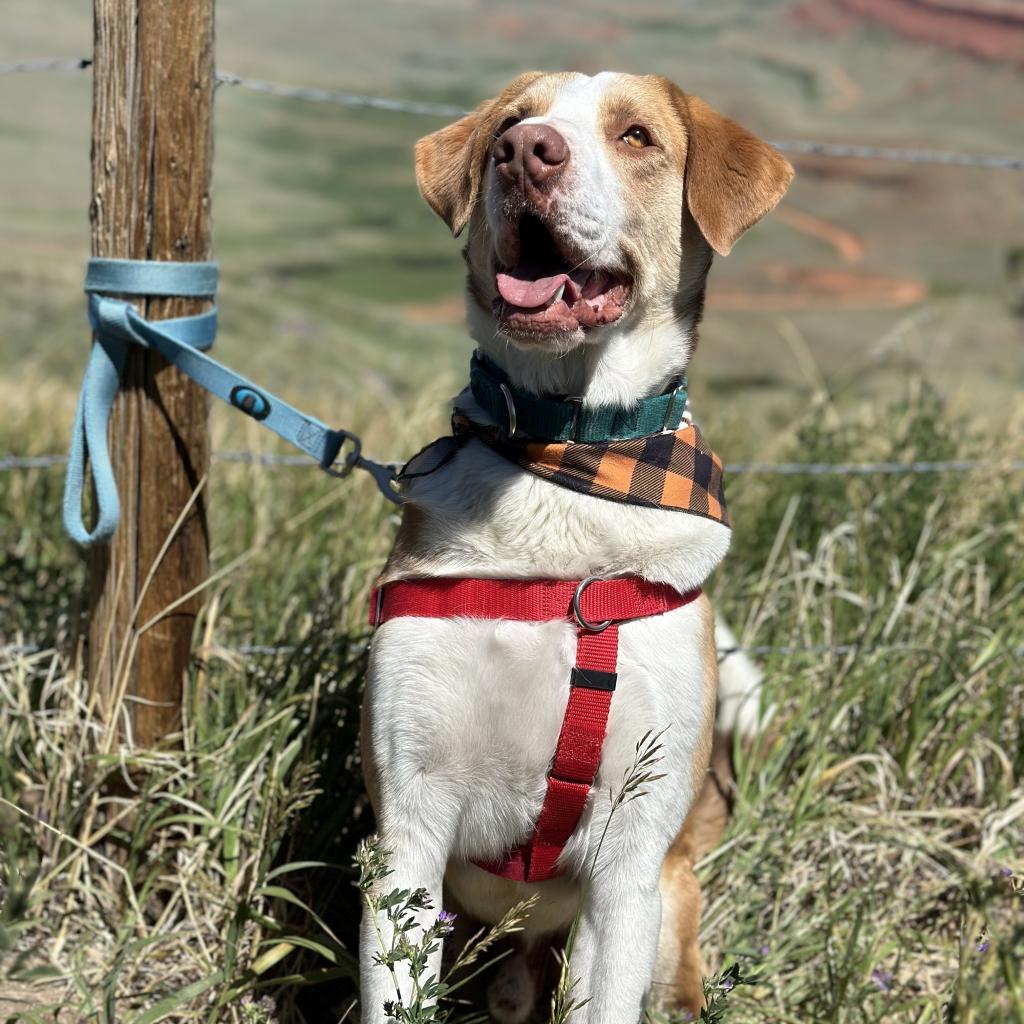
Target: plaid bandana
(675, 470)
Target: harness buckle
(577, 611)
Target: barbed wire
(899, 154)
(786, 650)
(24, 462)
(420, 108)
(870, 468)
(46, 64)
(314, 94)
(13, 462)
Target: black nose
(530, 154)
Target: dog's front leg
(417, 862)
(616, 943)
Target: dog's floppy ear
(732, 178)
(450, 163)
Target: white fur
(739, 688)
(466, 713)
(587, 204)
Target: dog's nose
(530, 154)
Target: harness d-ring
(577, 611)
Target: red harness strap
(596, 606)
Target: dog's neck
(626, 365)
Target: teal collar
(567, 419)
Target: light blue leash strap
(117, 325)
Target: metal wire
(17, 462)
(899, 154)
(868, 468)
(269, 650)
(46, 64)
(314, 94)
(344, 99)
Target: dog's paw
(513, 992)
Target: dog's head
(594, 201)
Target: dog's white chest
(467, 714)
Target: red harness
(597, 607)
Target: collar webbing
(567, 419)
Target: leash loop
(117, 325)
(577, 611)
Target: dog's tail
(740, 713)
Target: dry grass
(865, 866)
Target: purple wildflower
(1006, 872)
(765, 950)
(982, 947)
(727, 984)
(882, 980)
(446, 920)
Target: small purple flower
(1006, 872)
(446, 920)
(727, 984)
(982, 947)
(765, 950)
(687, 1015)
(882, 980)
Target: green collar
(567, 419)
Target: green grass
(869, 832)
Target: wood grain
(153, 81)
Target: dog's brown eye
(636, 137)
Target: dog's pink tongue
(528, 293)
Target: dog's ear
(450, 163)
(732, 178)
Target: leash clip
(350, 461)
(577, 611)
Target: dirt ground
(17, 997)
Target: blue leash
(117, 325)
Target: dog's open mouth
(546, 294)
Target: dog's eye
(636, 137)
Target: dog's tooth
(558, 294)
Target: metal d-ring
(590, 627)
(511, 406)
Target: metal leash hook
(385, 474)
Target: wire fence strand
(45, 64)
(270, 459)
(422, 108)
(253, 651)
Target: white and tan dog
(593, 206)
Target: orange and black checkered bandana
(674, 470)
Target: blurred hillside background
(338, 280)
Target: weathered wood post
(152, 149)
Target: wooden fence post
(152, 150)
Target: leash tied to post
(117, 325)
(596, 607)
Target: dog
(592, 207)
